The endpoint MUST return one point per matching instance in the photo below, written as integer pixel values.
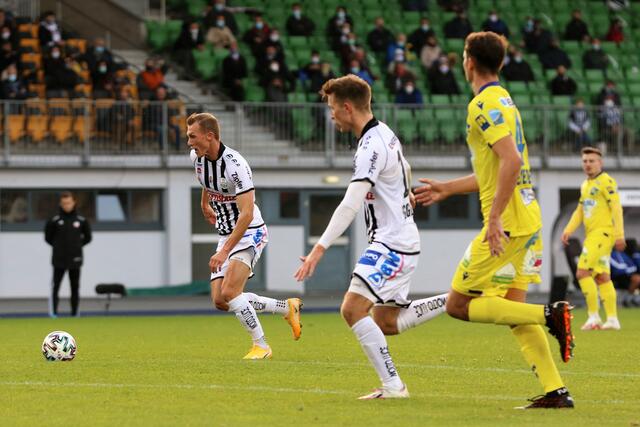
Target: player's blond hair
(349, 88)
(207, 121)
(591, 150)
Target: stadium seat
(61, 119)
(36, 119)
(16, 126)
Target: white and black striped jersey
(224, 179)
(387, 208)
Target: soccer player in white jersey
(381, 279)
(228, 201)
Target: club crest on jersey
(594, 191)
(224, 184)
(482, 122)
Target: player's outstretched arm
(245, 203)
(340, 221)
(434, 191)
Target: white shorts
(385, 276)
(248, 250)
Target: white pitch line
(282, 390)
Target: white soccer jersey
(387, 208)
(224, 179)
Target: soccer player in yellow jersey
(491, 281)
(600, 211)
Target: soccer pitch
(175, 371)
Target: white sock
(269, 305)
(247, 316)
(375, 347)
(420, 311)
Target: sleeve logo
(482, 122)
(496, 117)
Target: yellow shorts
(479, 273)
(596, 251)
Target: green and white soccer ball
(59, 346)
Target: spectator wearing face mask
(13, 87)
(319, 77)
(409, 94)
(257, 34)
(399, 44)
(354, 68)
(430, 53)
(380, 37)
(576, 28)
(273, 41)
(311, 69)
(608, 91)
(191, 36)
(595, 58)
(458, 27)
(610, 121)
(335, 25)
(400, 74)
(7, 55)
(347, 50)
(553, 57)
(418, 39)
(234, 69)
(299, 24)
(536, 38)
(103, 81)
(441, 79)
(49, 33)
(516, 69)
(219, 8)
(60, 79)
(220, 36)
(150, 78)
(275, 70)
(562, 84)
(8, 35)
(96, 53)
(615, 33)
(579, 125)
(269, 55)
(495, 24)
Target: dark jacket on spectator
(554, 57)
(442, 84)
(300, 27)
(13, 89)
(418, 39)
(538, 41)
(576, 29)
(186, 40)
(457, 28)
(563, 85)
(46, 36)
(379, 38)
(518, 71)
(58, 76)
(595, 60)
(498, 27)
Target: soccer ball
(59, 345)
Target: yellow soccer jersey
(492, 115)
(598, 199)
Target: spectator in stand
(536, 38)
(220, 36)
(399, 45)
(219, 8)
(335, 25)
(553, 57)
(49, 32)
(409, 94)
(595, 58)
(347, 50)
(257, 34)
(310, 70)
(5, 20)
(96, 53)
(380, 37)
(265, 59)
(234, 69)
(7, 34)
(13, 88)
(562, 84)
(609, 90)
(344, 36)
(103, 81)
(275, 70)
(398, 77)
(121, 117)
(354, 68)
(60, 79)
(415, 5)
(361, 57)
(318, 79)
(441, 79)
(299, 24)
(495, 24)
(274, 41)
(576, 28)
(579, 125)
(153, 118)
(276, 91)
(430, 52)
(615, 33)
(150, 78)
(8, 55)
(191, 37)
(418, 39)
(458, 27)
(625, 275)
(610, 121)
(516, 69)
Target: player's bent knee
(456, 310)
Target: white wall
(286, 243)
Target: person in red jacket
(615, 33)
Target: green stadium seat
(561, 100)
(634, 89)
(173, 29)
(302, 124)
(254, 93)
(572, 47)
(440, 99)
(156, 35)
(595, 76)
(196, 7)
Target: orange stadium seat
(80, 127)
(39, 89)
(30, 45)
(60, 119)
(37, 126)
(80, 44)
(16, 126)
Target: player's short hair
(67, 195)
(349, 88)
(488, 49)
(207, 122)
(591, 150)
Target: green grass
(179, 371)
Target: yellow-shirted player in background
(492, 278)
(600, 211)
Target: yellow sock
(504, 312)
(608, 297)
(535, 349)
(590, 291)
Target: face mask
(493, 18)
(341, 14)
(235, 55)
(529, 25)
(259, 25)
(102, 69)
(351, 41)
(444, 69)
(315, 60)
(12, 77)
(409, 89)
(274, 37)
(608, 103)
(400, 43)
(595, 46)
(219, 6)
(518, 59)
(55, 54)
(425, 27)
(6, 35)
(274, 67)
(100, 49)
(297, 14)
(355, 70)
(220, 23)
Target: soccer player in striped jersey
(382, 277)
(228, 202)
(492, 278)
(601, 212)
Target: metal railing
(287, 134)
